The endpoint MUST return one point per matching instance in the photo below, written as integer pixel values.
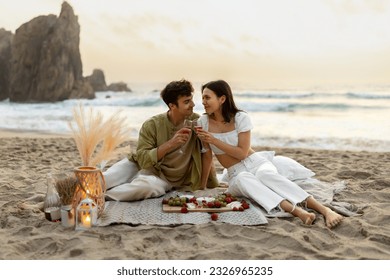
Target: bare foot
(332, 218)
(310, 219)
(306, 217)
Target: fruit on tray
(224, 200)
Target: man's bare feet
(332, 218)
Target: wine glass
(197, 127)
(188, 124)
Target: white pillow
(291, 169)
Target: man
(168, 154)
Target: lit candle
(87, 220)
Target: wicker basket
(92, 185)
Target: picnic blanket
(149, 211)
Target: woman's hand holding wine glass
(198, 128)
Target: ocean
(318, 118)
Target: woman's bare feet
(332, 218)
(310, 218)
(306, 217)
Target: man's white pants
(125, 182)
(257, 178)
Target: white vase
(67, 216)
(52, 203)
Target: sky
(278, 43)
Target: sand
(25, 234)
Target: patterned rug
(149, 211)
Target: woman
(226, 130)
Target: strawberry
(241, 208)
(184, 210)
(210, 204)
(235, 209)
(217, 204)
(214, 216)
(228, 199)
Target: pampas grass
(98, 140)
(66, 189)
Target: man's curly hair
(176, 89)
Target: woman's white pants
(125, 182)
(257, 178)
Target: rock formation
(5, 62)
(119, 86)
(46, 62)
(97, 80)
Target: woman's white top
(242, 123)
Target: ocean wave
(330, 143)
(293, 107)
(368, 95)
(136, 101)
(312, 95)
(273, 95)
(141, 101)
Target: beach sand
(25, 234)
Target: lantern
(92, 185)
(86, 214)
